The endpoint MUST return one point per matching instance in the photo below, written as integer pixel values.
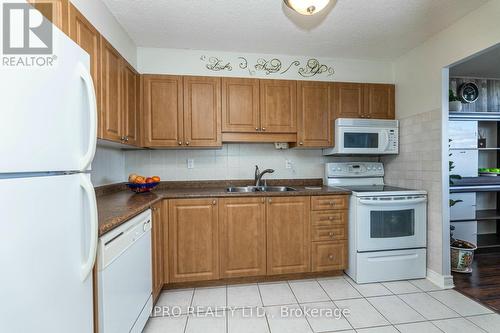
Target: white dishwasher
(125, 276)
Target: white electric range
(387, 224)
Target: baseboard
(442, 281)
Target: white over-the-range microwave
(365, 137)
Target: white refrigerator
(48, 212)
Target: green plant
(453, 97)
(452, 176)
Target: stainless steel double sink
(249, 189)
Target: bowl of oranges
(141, 184)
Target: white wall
(418, 73)
(421, 79)
(189, 62)
(99, 15)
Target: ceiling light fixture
(307, 7)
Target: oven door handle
(392, 202)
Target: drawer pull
(331, 234)
(330, 218)
(214, 202)
(331, 257)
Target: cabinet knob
(122, 138)
(126, 139)
(180, 143)
(368, 116)
(270, 200)
(214, 202)
(263, 128)
(256, 128)
(330, 218)
(301, 143)
(331, 257)
(187, 143)
(362, 116)
(331, 234)
(332, 203)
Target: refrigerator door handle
(90, 92)
(88, 265)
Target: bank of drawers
(329, 233)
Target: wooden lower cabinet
(329, 256)
(288, 235)
(242, 237)
(193, 240)
(158, 249)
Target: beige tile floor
(413, 306)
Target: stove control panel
(354, 170)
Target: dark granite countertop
(116, 204)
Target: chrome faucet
(259, 175)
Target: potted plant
(455, 103)
(462, 252)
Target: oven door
(362, 140)
(391, 222)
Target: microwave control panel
(393, 140)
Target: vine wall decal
(311, 68)
(216, 64)
(314, 67)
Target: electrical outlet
(190, 164)
(288, 164)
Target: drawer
(328, 233)
(329, 256)
(329, 218)
(329, 202)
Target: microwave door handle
(392, 202)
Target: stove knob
(369, 168)
(380, 168)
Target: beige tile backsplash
(418, 166)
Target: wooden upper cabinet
(363, 100)
(242, 237)
(131, 103)
(163, 123)
(314, 104)
(288, 235)
(278, 106)
(111, 90)
(193, 240)
(379, 101)
(157, 250)
(348, 100)
(202, 111)
(240, 105)
(56, 11)
(85, 35)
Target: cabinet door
(348, 100)
(111, 99)
(288, 235)
(314, 114)
(242, 237)
(130, 98)
(278, 113)
(379, 101)
(157, 249)
(202, 111)
(163, 121)
(240, 105)
(85, 35)
(193, 240)
(56, 11)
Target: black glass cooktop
(375, 188)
